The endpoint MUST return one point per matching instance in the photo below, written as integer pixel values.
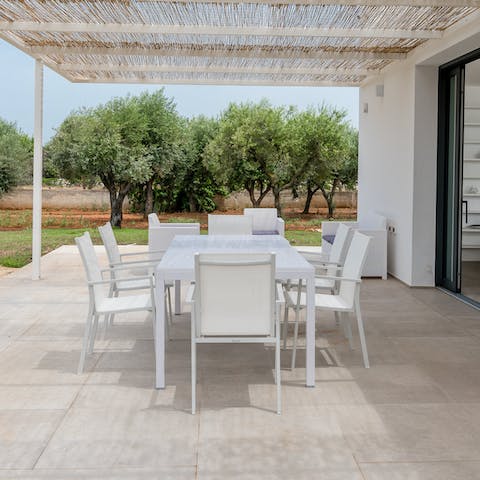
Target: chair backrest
(340, 244)
(160, 236)
(353, 266)
(110, 243)
(264, 219)
(91, 265)
(229, 225)
(153, 220)
(235, 294)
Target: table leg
(159, 332)
(178, 297)
(310, 333)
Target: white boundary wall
(398, 152)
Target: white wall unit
(471, 175)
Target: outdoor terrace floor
(415, 414)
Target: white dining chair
(235, 299)
(100, 303)
(144, 267)
(325, 265)
(229, 225)
(345, 301)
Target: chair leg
(347, 328)
(170, 314)
(194, 367)
(277, 371)
(361, 333)
(94, 332)
(109, 318)
(285, 326)
(86, 341)
(295, 336)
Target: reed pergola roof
(250, 42)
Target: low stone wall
(59, 197)
(241, 200)
(98, 199)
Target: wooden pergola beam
(274, 81)
(366, 3)
(169, 68)
(217, 52)
(167, 29)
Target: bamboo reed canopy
(250, 42)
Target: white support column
(37, 172)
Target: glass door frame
(455, 68)
(449, 177)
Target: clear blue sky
(61, 96)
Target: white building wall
(386, 162)
(398, 152)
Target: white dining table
(178, 264)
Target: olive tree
(326, 141)
(105, 143)
(16, 151)
(249, 152)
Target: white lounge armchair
(235, 299)
(153, 220)
(373, 225)
(265, 221)
(160, 236)
(100, 303)
(229, 225)
(347, 300)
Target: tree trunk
(116, 207)
(148, 198)
(278, 204)
(329, 197)
(250, 187)
(310, 193)
(192, 204)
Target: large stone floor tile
(460, 382)
(411, 433)
(279, 473)
(37, 397)
(48, 363)
(413, 326)
(133, 397)
(102, 438)
(456, 350)
(159, 473)
(256, 442)
(397, 384)
(421, 471)
(24, 434)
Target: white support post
(37, 172)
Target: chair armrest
(131, 254)
(123, 279)
(280, 296)
(135, 263)
(190, 294)
(118, 267)
(281, 226)
(333, 277)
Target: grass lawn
(16, 245)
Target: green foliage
(16, 152)
(249, 152)
(105, 143)
(327, 144)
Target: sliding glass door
(449, 187)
